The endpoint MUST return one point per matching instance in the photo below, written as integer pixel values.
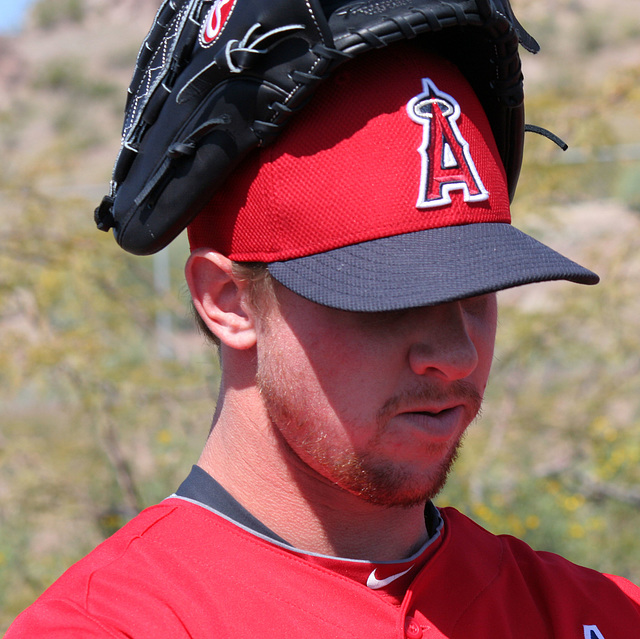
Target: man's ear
(220, 298)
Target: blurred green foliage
(55, 12)
(103, 409)
(67, 75)
(96, 421)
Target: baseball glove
(215, 79)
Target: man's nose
(442, 344)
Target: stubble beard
(369, 476)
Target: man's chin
(385, 484)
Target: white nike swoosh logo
(375, 583)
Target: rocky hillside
(62, 89)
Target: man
(348, 274)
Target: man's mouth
(438, 422)
(434, 411)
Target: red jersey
(180, 570)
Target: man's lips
(441, 413)
(433, 399)
(440, 424)
(431, 409)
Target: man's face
(375, 403)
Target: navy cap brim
(425, 268)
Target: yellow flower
(573, 502)
(576, 531)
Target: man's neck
(299, 505)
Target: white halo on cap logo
(215, 21)
(446, 160)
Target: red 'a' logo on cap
(446, 161)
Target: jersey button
(412, 628)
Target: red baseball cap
(387, 191)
